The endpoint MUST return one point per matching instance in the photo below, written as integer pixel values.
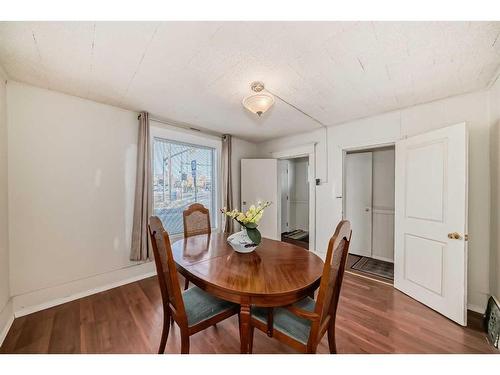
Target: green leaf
(250, 225)
(254, 235)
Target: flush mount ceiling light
(259, 102)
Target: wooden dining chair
(196, 220)
(303, 324)
(193, 310)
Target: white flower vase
(241, 243)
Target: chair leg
(250, 344)
(184, 343)
(270, 321)
(331, 339)
(186, 284)
(311, 349)
(164, 333)
(239, 325)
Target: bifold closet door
(358, 196)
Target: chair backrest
(331, 279)
(166, 271)
(196, 220)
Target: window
(182, 174)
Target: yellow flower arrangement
(249, 219)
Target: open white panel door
(259, 182)
(431, 220)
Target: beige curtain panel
(227, 189)
(143, 199)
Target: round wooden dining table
(275, 274)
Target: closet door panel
(358, 195)
(383, 235)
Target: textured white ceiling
(198, 72)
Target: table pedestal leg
(245, 328)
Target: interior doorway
(294, 197)
(369, 185)
(300, 163)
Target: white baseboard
(476, 308)
(361, 254)
(38, 300)
(6, 320)
(389, 260)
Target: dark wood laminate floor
(372, 318)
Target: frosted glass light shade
(258, 103)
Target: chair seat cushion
(201, 306)
(287, 322)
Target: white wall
(388, 128)
(5, 302)
(495, 188)
(71, 189)
(240, 150)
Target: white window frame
(171, 133)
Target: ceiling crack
(495, 41)
(91, 61)
(40, 58)
(120, 101)
(361, 64)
